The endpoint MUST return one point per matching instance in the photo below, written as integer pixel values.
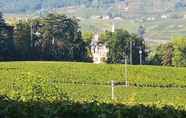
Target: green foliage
(87, 37)
(155, 56)
(7, 46)
(162, 55)
(54, 37)
(119, 46)
(22, 39)
(61, 37)
(69, 109)
(139, 76)
(168, 54)
(179, 57)
(51, 89)
(105, 37)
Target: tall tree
(167, 54)
(179, 53)
(62, 38)
(119, 44)
(6, 40)
(155, 57)
(22, 40)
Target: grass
(86, 82)
(65, 89)
(168, 96)
(140, 76)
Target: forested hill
(22, 6)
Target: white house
(164, 17)
(105, 17)
(99, 50)
(184, 16)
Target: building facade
(99, 50)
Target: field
(86, 77)
(85, 83)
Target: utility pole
(31, 35)
(131, 52)
(112, 85)
(113, 27)
(126, 72)
(141, 58)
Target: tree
(119, 46)
(54, 37)
(167, 54)
(161, 55)
(61, 38)
(156, 56)
(87, 37)
(138, 44)
(179, 53)
(22, 40)
(6, 40)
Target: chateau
(99, 50)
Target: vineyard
(59, 88)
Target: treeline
(58, 37)
(124, 45)
(55, 37)
(170, 54)
(6, 40)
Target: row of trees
(123, 45)
(6, 40)
(170, 54)
(55, 37)
(58, 37)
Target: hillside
(134, 6)
(162, 19)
